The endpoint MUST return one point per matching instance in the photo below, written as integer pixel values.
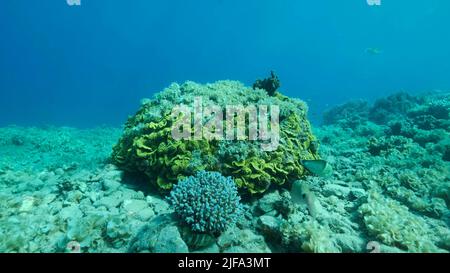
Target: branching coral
(207, 202)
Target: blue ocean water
(91, 64)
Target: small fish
(317, 167)
(301, 194)
(373, 51)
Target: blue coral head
(207, 202)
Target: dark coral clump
(271, 84)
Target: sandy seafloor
(57, 189)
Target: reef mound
(147, 146)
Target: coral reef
(401, 164)
(386, 109)
(390, 185)
(348, 115)
(206, 202)
(147, 146)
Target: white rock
(145, 214)
(134, 206)
(94, 196)
(72, 212)
(242, 241)
(268, 201)
(59, 171)
(108, 201)
(74, 196)
(82, 186)
(110, 185)
(48, 199)
(169, 241)
(159, 205)
(269, 225)
(27, 204)
(337, 190)
(357, 193)
(86, 202)
(132, 194)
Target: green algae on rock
(147, 146)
